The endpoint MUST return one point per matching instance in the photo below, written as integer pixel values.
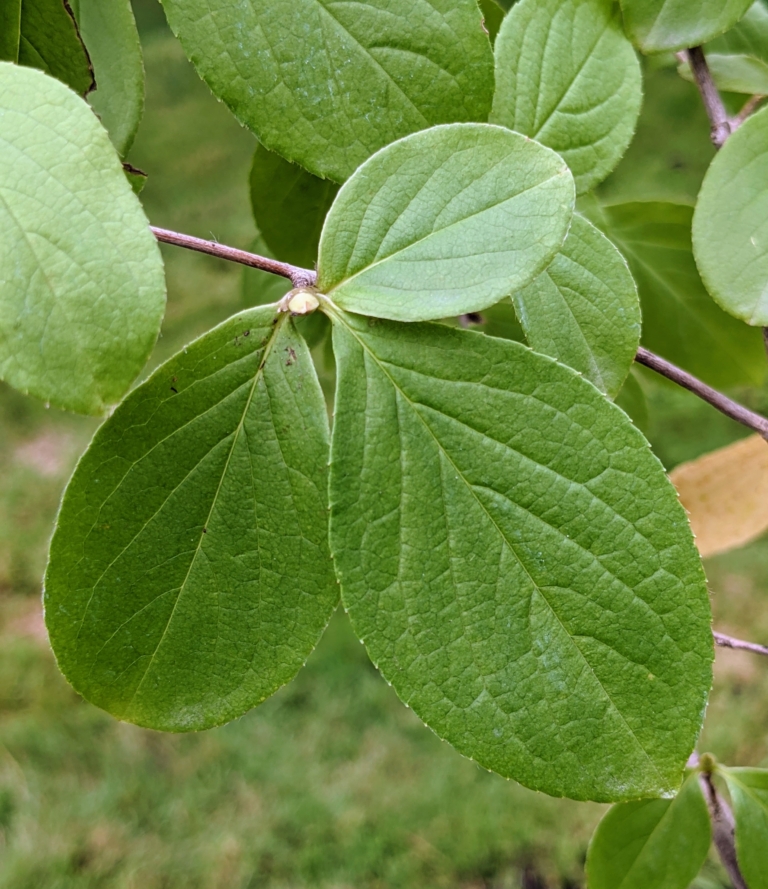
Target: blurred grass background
(332, 782)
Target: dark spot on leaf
(246, 333)
(291, 356)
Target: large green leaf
(749, 792)
(680, 320)
(326, 83)
(567, 76)
(656, 25)
(51, 42)
(515, 560)
(446, 221)
(738, 59)
(583, 310)
(651, 843)
(10, 30)
(82, 289)
(189, 575)
(289, 206)
(730, 225)
(109, 32)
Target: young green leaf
(584, 310)
(656, 25)
(51, 42)
(109, 32)
(749, 792)
(189, 575)
(515, 560)
(10, 30)
(325, 84)
(289, 206)
(651, 843)
(680, 320)
(567, 76)
(446, 221)
(730, 233)
(82, 289)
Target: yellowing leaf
(726, 495)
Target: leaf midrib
(256, 377)
(339, 316)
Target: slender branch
(748, 108)
(723, 829)
(730, 642)
(297, 276)
(713, 103)
(721, 402)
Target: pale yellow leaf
(726, 495)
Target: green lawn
(332, 782)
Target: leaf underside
(446, 221)
(516, 561)
(82, 288)
(326, 83)
(567, 76)
(190, 575)
(658, 25)
(730, 225)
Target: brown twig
(730, 642)
(748, 108)
(297, 276)
(713, 103)
(721, 402)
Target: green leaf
(738, 59)
(515, 560)
(446, 221)
(680, 320)
(493, 16)
(656, 25)
(189, 575)
(109, 32)
(584, 310)
(730, 234)
(137, 178)
(651, 843)
(327, 83)
(289, 206)
(633, 401)
(567, 76)
(50, 41)
(749, 792)
(82, 288)
(10, 30)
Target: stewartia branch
(713, 103)
(297, 276)
(721, 402)
(730, 642)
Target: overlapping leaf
(10, 30)
(82, 289)
(49, 40)
(738, 59)
(730, 226)
(567, 76)
(189, 574)
(289, 206)
(680, 320)
(515, 560)
(656, 25)
(326, 83)
(749, 792)
(583, 310)
(109, 32)
(443, 222)
(651, 843)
